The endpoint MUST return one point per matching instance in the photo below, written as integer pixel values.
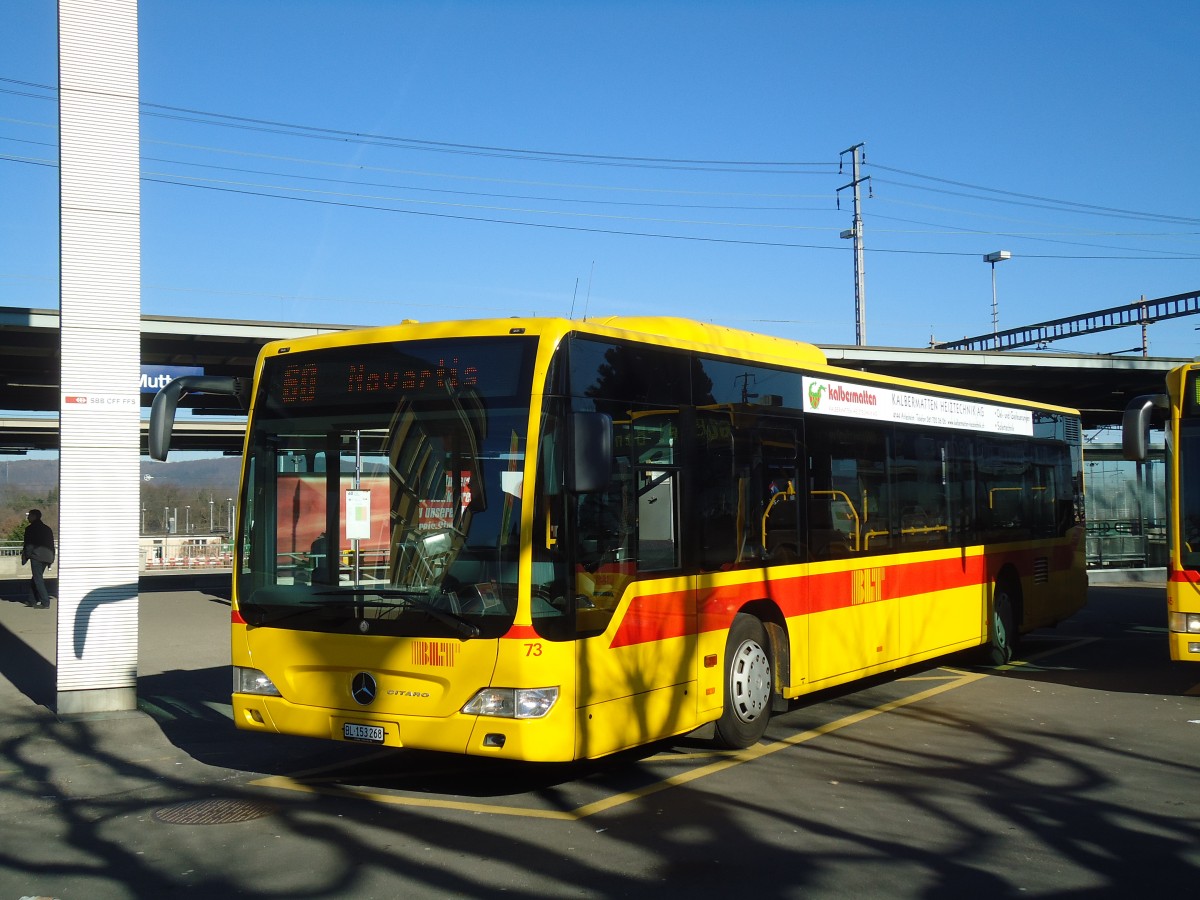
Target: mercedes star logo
(362, 688)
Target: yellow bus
(1180, 407)
(551, 540)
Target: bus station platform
(1150, 576)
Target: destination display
(302, 380)
(880, 403)
(347, 378)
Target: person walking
(38, 551)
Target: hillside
(201, 484)
(218, 472)
(39, 476)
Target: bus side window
(778, 532)
(605, 529)
(717, 491)
(1004, 490)
(919, 483)
(658, 520)
(833, 525)
(781, 527)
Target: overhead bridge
(1143, 312)
(1098, 385)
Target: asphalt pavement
(1071, 774)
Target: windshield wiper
(302, 610)
(418, 599)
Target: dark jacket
(39, 543)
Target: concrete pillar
(100, 312)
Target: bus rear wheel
(747, 685)
(1002, 637)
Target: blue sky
(366, 162)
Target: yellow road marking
(760, 750)
(736, 758)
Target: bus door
(851, 627)
(717, 521)
(634, 673)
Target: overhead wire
(676, 237)
(1041, 238)
(264, 191)
(1094, 211)
(152, 176)
(724, 166)
(1071, 203)
(496, 221)
(226, 120)
(488, 178)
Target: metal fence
(154, 554)
(1126, 543)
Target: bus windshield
(383, 489)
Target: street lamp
(229, 500)
(187, 520)
(993, 258)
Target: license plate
(373, 734)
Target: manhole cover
(215, 811)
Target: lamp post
(212, 526)
(187, 520)
(993, 258)
(229, 500)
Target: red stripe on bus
(1183, 576)
(655, 617)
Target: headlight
(512, 703)
(1184, 623)
(252, 681)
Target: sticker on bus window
(358, 515)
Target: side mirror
(162, 411)
(591, 452)
(1135, 425)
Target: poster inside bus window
(358, 515)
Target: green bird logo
(814, 394)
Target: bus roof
(673, 331)
(670, 331)
(719, 337)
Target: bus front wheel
(747, 684)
